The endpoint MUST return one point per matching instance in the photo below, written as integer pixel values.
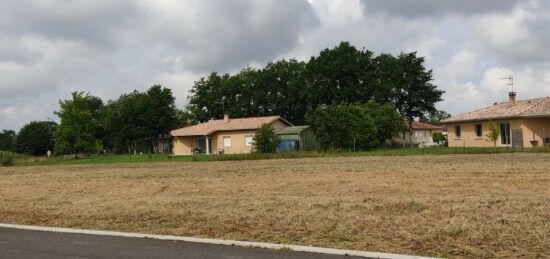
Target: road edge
(297, 248)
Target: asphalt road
(16, 243)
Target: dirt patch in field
(450, 205)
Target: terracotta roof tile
(524, 108)
(212, 126)
(416, 125)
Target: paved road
(16, 243)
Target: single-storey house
(418, 133)
(521, 123)
(296, 138)
(227, 136)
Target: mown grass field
(463, 206)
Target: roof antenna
(510, 79)
(512, 94)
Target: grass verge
(147, 158)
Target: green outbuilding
(295, 138)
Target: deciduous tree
(80, 125)
(7, 140)
(36, 138)
(415, 94)
(344, 127)
(493, 134)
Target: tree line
(349, 96)
(132, 122)
(341, 75)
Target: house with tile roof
(227, 135)
(521, 123)
(418, 134)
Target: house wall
(278, 125)
(540, 128)
(184, 145)
(237, 141)
(536, 129)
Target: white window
(248, 141)
(227, 141)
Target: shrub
(346, 127)
(265, 140)
(6, 160)
(438, 137)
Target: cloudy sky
(49, 48)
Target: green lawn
(118, 159)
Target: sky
(49, 48)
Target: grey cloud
(224, 35)
(94, 22)
(206, 35)
(435, 8)
(518, 38)
(13, 51)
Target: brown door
(517, 137)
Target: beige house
(524, 123)
(227, 136)
(418, 133)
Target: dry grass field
(448, 205)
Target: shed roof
(207, 128)
(539, 107)
(292, 130)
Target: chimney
(225, 118)
(512, 98)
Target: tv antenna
(510, 79)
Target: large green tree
(125, 122)
(389, 122)
(135, 121)
(415, 94)
(209, 97)
(7, 140)
(36, 138)
(280, 90)
(342, 74)
(160, 115)
(355, 126)
(80, 128)
(349, 127)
